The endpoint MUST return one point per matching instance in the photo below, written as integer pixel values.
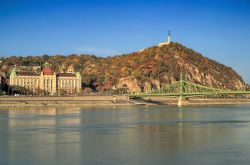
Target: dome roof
(13, 72)
(71, 69)
(47, 71)
(78, 75)
(46, 64)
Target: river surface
(133, 135)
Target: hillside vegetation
(163, 64)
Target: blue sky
(219, 29)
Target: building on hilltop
(48, 81)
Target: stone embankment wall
(108, 100)
(197, 101)
(67, 100)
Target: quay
(18, 101)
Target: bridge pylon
(180, 101)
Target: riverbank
(199, 101)
(11, 101)
(63, 100)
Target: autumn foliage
(155, 63)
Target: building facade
(27, 80)
(47, 81)
(69, 82)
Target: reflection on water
(125, 135)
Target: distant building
(48, 81)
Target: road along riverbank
(9, 101)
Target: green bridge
(184, 89)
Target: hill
(156, 66)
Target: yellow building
(28, 80)
(69, 82)
(48, 81)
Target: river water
(117, 135)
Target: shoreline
(38, 101)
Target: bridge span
(184, 89)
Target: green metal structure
(186, 89)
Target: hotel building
(48, 81)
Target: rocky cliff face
(167, 62)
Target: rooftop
(66, 75)
(27, 74)
(47, 71)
